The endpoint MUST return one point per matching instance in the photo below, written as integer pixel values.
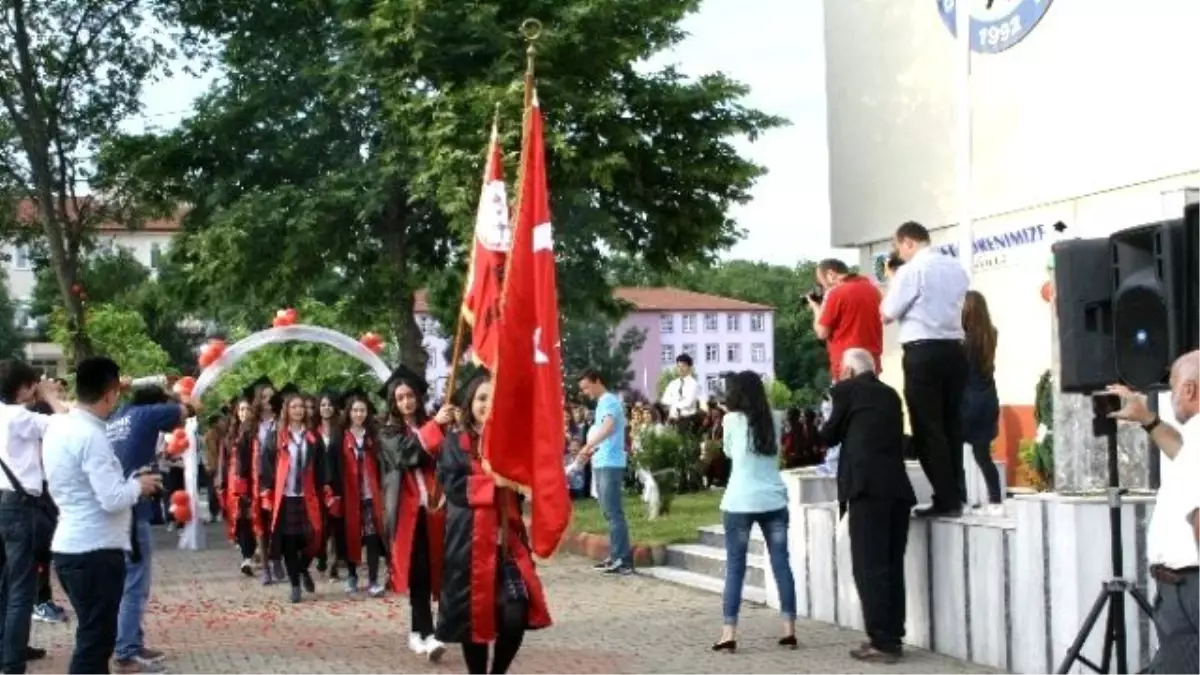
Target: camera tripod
(1113, 590)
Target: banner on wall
(990, 251)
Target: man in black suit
(867, 420)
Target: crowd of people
(298, 479)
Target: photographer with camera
(846, 315)
(1174, 533)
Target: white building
(1083, 112)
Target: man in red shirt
(847, 315)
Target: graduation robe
(345, 483)
(262, 479)
(428, 439)
(470, 585)
(310, 484)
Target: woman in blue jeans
(755, 494)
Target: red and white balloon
(185, 385)
(177, 442)
(372, 341)
(211, 352)
(284, 318)
(181, 507)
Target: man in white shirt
(20, 438)
(95, 503)
(682, 397)
(1171, 540)
(925, 297)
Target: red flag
(523, 440)
(485, 277)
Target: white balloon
(301, 333)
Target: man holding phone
(846, 313)
(1172, 538)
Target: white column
(962, 88)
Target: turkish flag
(485, 277)
(523, 439)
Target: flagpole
(456, 355)
(962, 62)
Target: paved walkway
(210, 619)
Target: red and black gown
(471, 597)
(360, 515)
(417, 540)
(297, 528)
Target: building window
(155, 255)
(690, 350)
(21, 258)
(712, 384)
(668, 354)
(733, 352)
(433, 358)
(758, 322)
(666, 323)
(712, 353)
(710, 323)
(733, 322)
(758, 352)
(689, 323)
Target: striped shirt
(926, 297)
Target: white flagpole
(962, 81)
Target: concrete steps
(702, 565)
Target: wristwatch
(1152, 425)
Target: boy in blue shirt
(605, 446)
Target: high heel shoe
(725, 646)
(789, 642)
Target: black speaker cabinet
(1083, 304)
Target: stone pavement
(210, 619)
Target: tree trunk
(395, 245)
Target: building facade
(721, 334)
(1082, 114)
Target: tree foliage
(342, 151)
(800, 359)
(120, 334)
(70, 72)
(11, 342)
(116, 277)
(588, 343)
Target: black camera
(893, 262)
(817, 294)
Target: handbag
(45, 513)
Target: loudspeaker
(1153, 322)
(1083, 304)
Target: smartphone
(1105, 403)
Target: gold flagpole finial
(531, 30)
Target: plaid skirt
(293, 520)
(369, 526)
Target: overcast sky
(774, 46)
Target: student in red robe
(236, 481)
(410, 440)
(256, 454)
(485, 540)
(296, 523)
(329, 428)
(353, 494)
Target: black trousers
(510, 633)
(935, 373)
(94, 582)
(991, 475)
(295, 562)
(374, 546)
(878, 537)
(420, 579)
(244, 533)
(1177, 620)
(214, 499)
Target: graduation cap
(356, 393)
(458, 397)
(284, 391)
(404, 375)
(252, 389)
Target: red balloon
(182, 513)
(291, 315)
(212, 351)
(1047, 291)
(371, 341)
(180, 497)
(185, 385)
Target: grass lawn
(688, 512)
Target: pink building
(721, 334)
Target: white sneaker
(415, 644)
(376, 590)
(992, 510)
(434, 649)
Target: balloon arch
(298, 333)
(192, 535)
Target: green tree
(70, 72)
(118, 333)
(343, 150)
(11, 343)
(800, 359)
(117, 277)
(592, 344)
